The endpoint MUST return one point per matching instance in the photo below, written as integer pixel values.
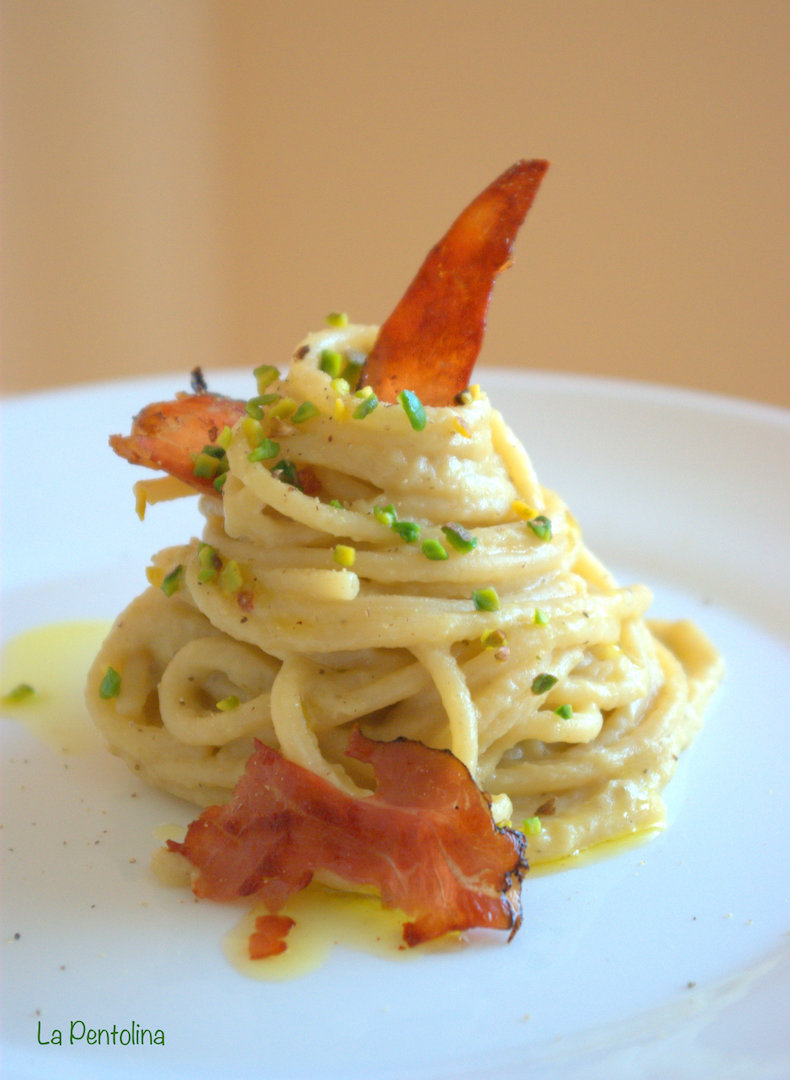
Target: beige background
(193, 182)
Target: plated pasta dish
(389, 660)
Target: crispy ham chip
(167, 435)
(430, 342)
(425, 840)
(268, 937)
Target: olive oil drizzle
(53, 660)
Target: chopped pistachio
(206, 466)
(413, 408)
(366, 406)
(227, 704)
(542, 683)
(344, 555)
(253, 432)
(341, 387)
(230, 579)
(284, 408)
(224, 437)
(110, 685)
(332, 362)
(203, 462)
(540, 618)
(254, 409)
(261, 401)
(22, 692)
(493, 639)
(486, 599)
(565, 712)
(264, 451)
(219, 481)
(407, 530)
(212, 450)
(459, 537)
(287, 472)
(337, 504)
(337, 318)
(531, 826)
(208, 563)
(541, 526)
(265, 375)
(306, 411)
(433, 549)
(385, 514)
(171, 581)
(351, 373)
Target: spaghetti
(358, 568)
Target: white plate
(668, 960)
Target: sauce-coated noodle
(305, 647)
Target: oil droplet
(169, 830)
(607, 849)
(325, 918)
(54, 660)
(170, 867)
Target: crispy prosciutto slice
(430, 342)
(425, 840)
(167, 435)
(268, 937)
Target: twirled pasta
(303, 647)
